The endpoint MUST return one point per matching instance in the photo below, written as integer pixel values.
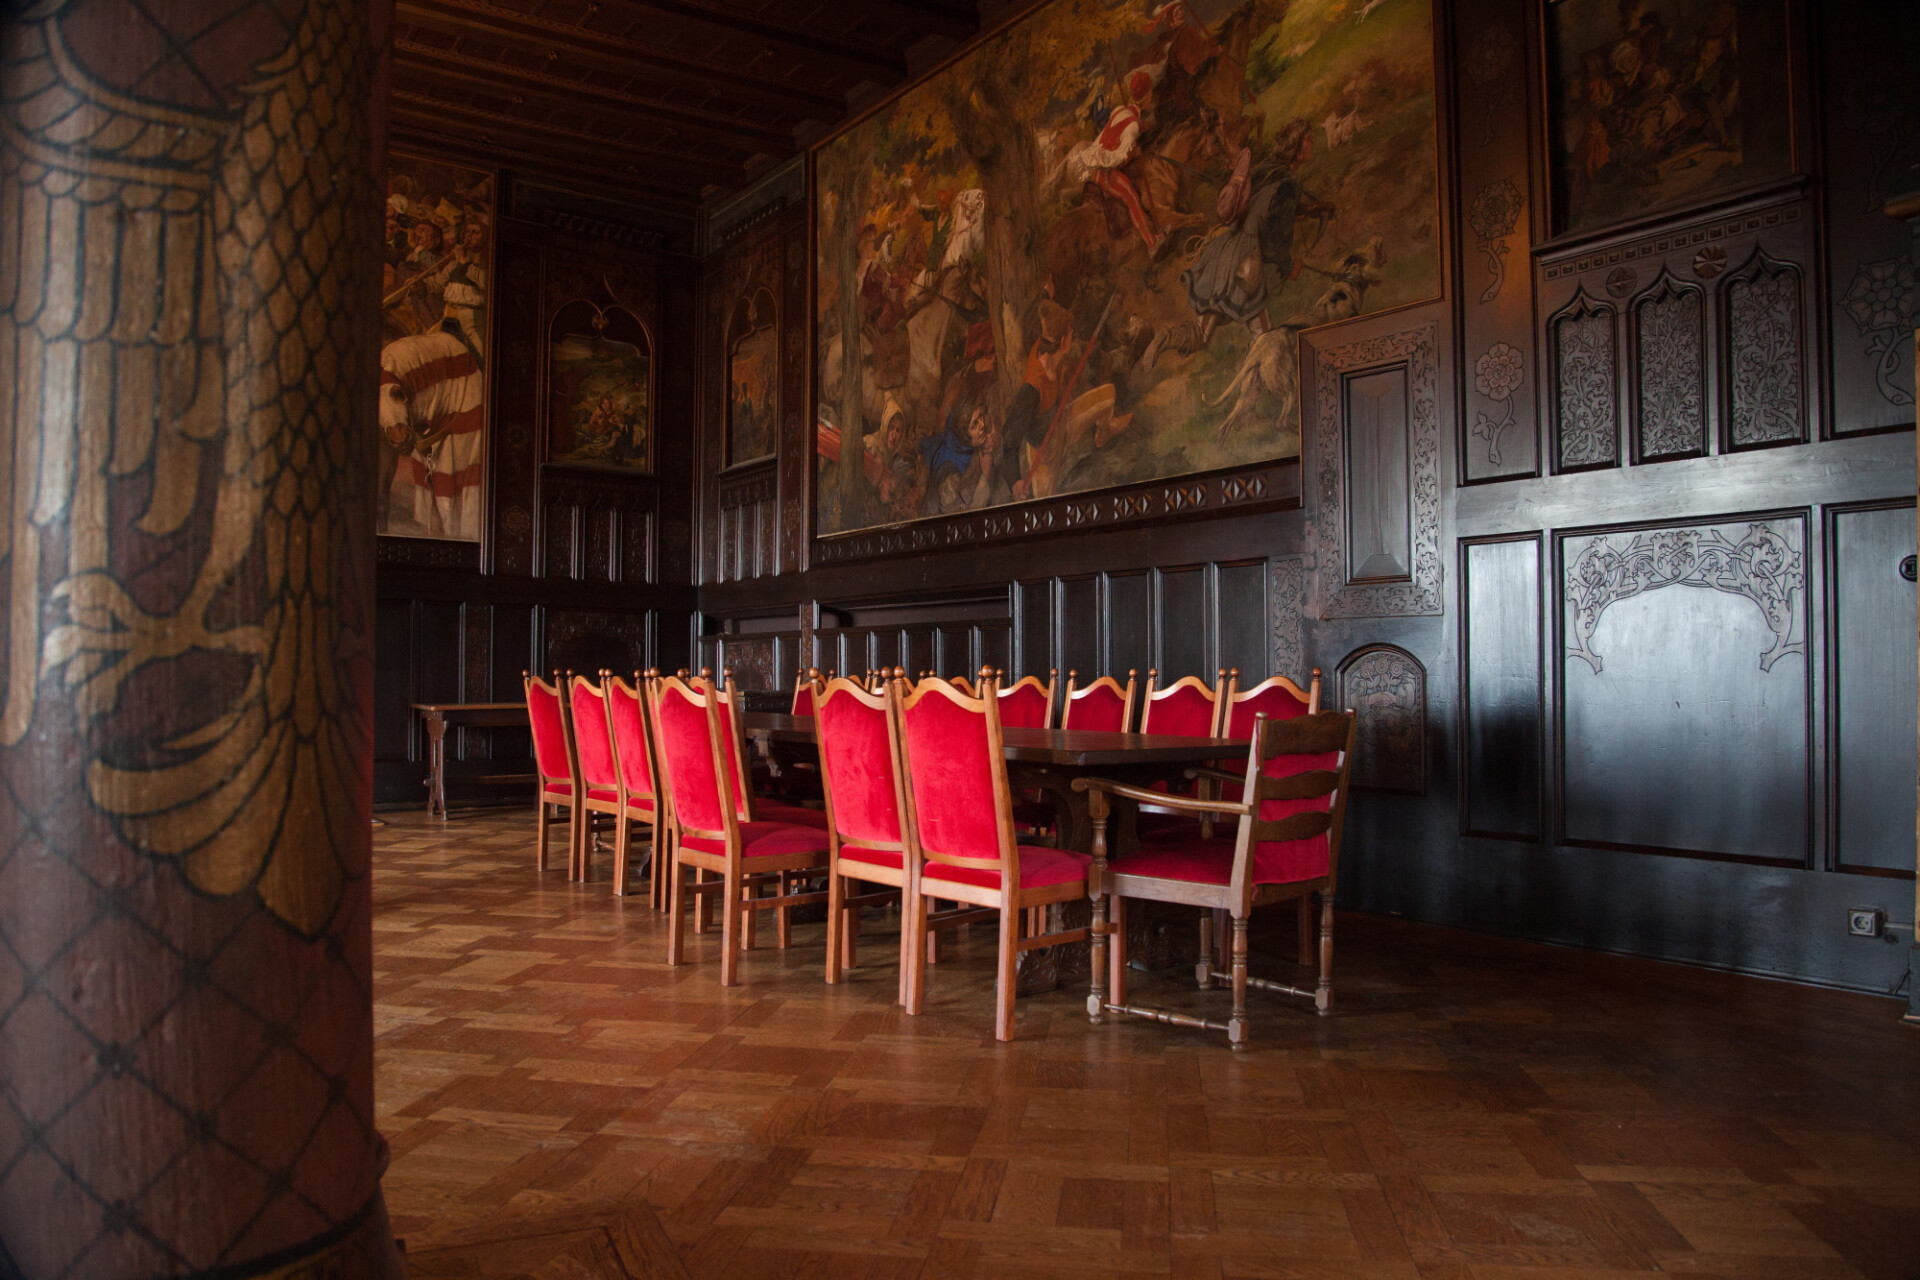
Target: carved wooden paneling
(796, 370)
(1268, 487)
(1584, 358)
(1387, 689)
(1418, 590)
(1668, 333)
(745, 526)
(1501, 687)
(1496, 193)
(1684, 688)
(1766, 347)
(1286, 611)
(582, 641)
(1872, 691)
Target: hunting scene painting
(1082, 255)
(433, 354)
(599, 388)
(1648, 105)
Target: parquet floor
(561, 1104)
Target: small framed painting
(1662, 106)
(599, 387)
(753, 379)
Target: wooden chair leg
(931, 937)
(542, 820)
(1323, 994)
(677, 919)
(1117, 951)
(622, 850)
(1237, 1024)
(836, 922)
(916, 953)
(850, 937)
(703, 907)
(1304, 913)
(783, 920)
(1003, 982)
(1203, 971)
(1222, 934)
(730, 928)
(750, 918)
(587, 839)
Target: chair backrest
(687, 735)
(959, 807)
(1103, 706)
(1186, 707)
(859, 765)
(632, 742)
(733, 740)
(592, 737)
(1027, 704)
(1276, 698)
(1297, 769)
(552, 734)
(806, 688)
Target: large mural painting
(433, 349)
(1083, 254)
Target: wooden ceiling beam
(430, 136)
(748, 29)
(595, 153)
(615, 53)
(928, 17)
(486, 72)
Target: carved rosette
(1418, 351)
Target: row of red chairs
(917, 802)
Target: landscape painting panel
(438, 253)
(1082, 255)
(1658, 103)
(599, 388)
(752, 376)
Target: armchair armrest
(1162, 799)
(1217, 775)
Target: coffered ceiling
(672, 101)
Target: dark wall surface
(578, 569)
(1609, 547)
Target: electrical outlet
(1866, 922)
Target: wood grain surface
(560, 1104)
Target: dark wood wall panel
(1684, 692)
(1873, 690)
(1500, 686)
(1077, 629)
(1129, 622)
(1182, 642)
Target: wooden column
(188, 289)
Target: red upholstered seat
(873, 857)
(792, 814)
(1195, 860)
(1039, 867)
(765, 840)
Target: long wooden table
(1048, 760)
(442, 716)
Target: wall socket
(1866, 922)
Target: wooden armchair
(1286, 844)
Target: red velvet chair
(961, 835)
(860, 773)
(1026, 703)
(598, 773)
(1286, 844)
(708, 833)
(639, 792)
(1186, 707)
(553, 760)
(748, 806)
(1102, 706)
(806, 688)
